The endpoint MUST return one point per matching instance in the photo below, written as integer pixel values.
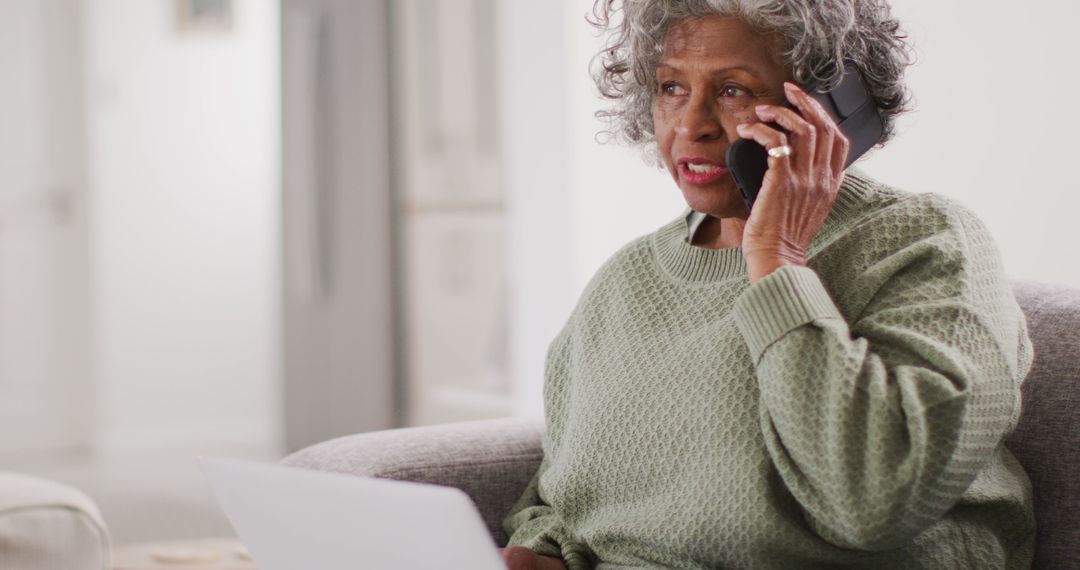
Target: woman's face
(713, 72)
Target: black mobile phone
(849, 104)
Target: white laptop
(294, 519)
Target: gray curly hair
(816, 36)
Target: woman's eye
(732, 91)
(671, 88)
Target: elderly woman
(822, 381)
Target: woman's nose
(699, 121)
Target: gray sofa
(494, 460)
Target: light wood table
(204, 554)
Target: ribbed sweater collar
(682, 261)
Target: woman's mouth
(700, 171)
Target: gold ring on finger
(780, 151)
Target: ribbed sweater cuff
(573, 553)
(554, 542)
(576, 557)
(780, 302)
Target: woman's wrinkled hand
(798, 190)
(522, 558)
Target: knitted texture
(849, 413)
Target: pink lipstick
(700, 171)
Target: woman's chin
(717, 200)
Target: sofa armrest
(491, 460)
(46, 525)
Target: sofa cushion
(1047, 439)
(48, 526)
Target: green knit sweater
(849, 413)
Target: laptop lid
(292, 518)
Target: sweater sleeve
(878, 422)
(532, 522)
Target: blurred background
(240, 227)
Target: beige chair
(45, 525)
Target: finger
(841, 148)
(815, 114)
(519, 558)
(803, 133)
(769, 138)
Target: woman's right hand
(522, 558)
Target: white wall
(183, 167)
(993, 128)
(536, 129)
